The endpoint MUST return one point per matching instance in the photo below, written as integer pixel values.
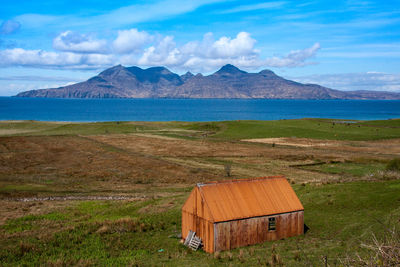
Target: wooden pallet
(192, 241)
(189, 237)
(195, 243)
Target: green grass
(31, 221)
(308, 128)
(204, 126)
(26, 125)
(9, 189)
(393, 165)
(395, 123)
(228, 130)
(49, 128)
(340, 217)
(350, 168)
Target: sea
(93, 110)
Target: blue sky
(346, 45)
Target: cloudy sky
(347, 45)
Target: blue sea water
(87, 110)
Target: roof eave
(257, 216)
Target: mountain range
(227, 82)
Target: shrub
(384, 251)
(276, 259)
(121, 225)
(393, 165)
(228, 167)
(241, 256)
(230, 256)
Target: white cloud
(202, 48)
(80, 51)
(19, 56)
(164, 53)
(81, 43)
(9, 26)
(295, 58)
(375, 81)
(242, 45)
(40, 58)
(204, 55)
(37, 78)
(131, 40)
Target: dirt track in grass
(289, 148)
(383, 147)
(128, 163)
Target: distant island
(228, 82)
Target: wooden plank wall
(188, 223)
(238, 233)
(203, 228)
(193, 219)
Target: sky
(345, 45)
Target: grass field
(352, 168)
(337, 168)
(230, 130)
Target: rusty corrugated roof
(245, 198)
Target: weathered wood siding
(193, 219)
(238, 233)
(203, 228)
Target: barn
(235, 213)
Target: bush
(384, 251)
(393, 165)
(228, 168)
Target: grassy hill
(339, 169)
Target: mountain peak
(267, 73)
(154, 74)
(229, 69)
(162, 70)
(112, 70)
(187, 76)
(117, 67)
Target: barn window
(272, 224)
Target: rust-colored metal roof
(245, 198)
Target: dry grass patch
(16, 209)
(383, 147)
(157, 208)
(70, 163)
